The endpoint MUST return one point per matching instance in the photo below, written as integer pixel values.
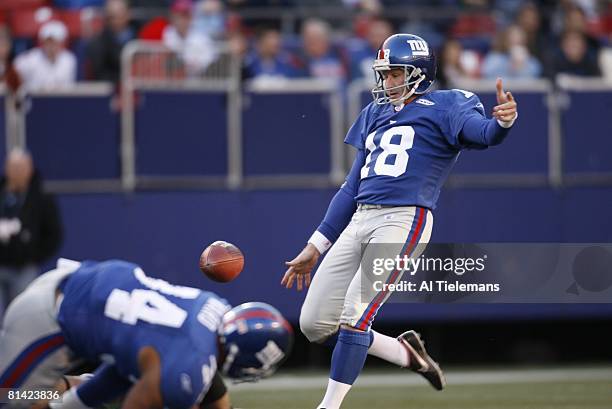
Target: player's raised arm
(506, 108)
(478, 131)
(337, 217)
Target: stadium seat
(26, 22)
(9, 5)
(473, 24)
(81, 23)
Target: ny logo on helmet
(419, 47)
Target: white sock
(334, 395)
(389, 349)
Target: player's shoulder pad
(457, 100)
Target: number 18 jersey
(412, 149)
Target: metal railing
(151, 66)
(147, 65)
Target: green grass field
(584, 388)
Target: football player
(407, 141)
(161, 344)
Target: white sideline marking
(405, 378)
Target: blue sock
(332, 340)
(349, 355)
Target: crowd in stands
(52, 43)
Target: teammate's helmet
(256, 339)
(411, 53)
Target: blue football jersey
(411, 151)
(112, 309)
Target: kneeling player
(160, 344)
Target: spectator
(575, 19)
(361, 54)
(50, 65)
(8, 75)
(573, 56)
(104, 51)
(510, 57)
(456, 64)
(30, 227)
(320, 59)
(196, 50)
(209, 18)
(537, 35)
(268, 60)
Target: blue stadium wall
(166, 231)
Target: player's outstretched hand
(300, 268)
(506, 107)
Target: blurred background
(162, 126)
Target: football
(221, 261)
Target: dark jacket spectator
(574, 57)
(104, 51)
(30, 227)
(537, 33)
(268, 59)
(575, 19)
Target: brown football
(221, 261)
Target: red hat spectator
(182, 6)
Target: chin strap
(403, 98)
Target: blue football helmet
(411, 53)
(256, 339)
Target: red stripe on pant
(371, 310)
(30, 358)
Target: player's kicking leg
(355, 338)
(352, 347)
(422, 363)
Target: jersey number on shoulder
(144, 305)
(465, 93)
(398, 152)
(149, 305)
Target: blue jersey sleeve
(462, 105)
(478, 133)
(468, 126)
(105, 385)
(343, 205)
(357, 134)
(182, 381)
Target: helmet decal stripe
(259, 314)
